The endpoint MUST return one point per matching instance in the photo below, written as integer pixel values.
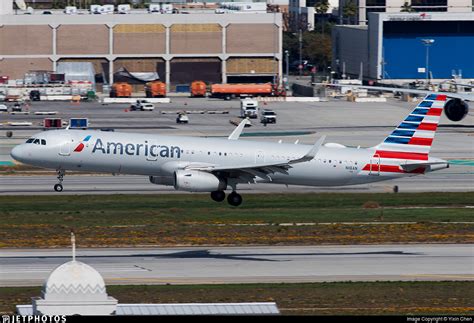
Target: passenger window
(43, 142)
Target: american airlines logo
(118, 148)
(80, 147)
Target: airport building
(302, 13)
(181, 48)
(401, 47)
(363, 7)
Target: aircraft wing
(238, 131)
(248, 172)
(462, 96)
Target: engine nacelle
(162, 180)
(197, 181)
(456, 109)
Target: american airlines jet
(216, 164)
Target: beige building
(181, 48)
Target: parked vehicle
(17, 107)
(155, 89)
(249, 108)
(3, 108)
(35, 95)
(268, 116)
(198, 89)
(121, 90)
(142, 105)
(229, 91)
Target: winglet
(311, 153)
(238, 131)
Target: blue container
(181, 88)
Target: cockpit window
(36, 141)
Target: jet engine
(162, 180)
(456, 109)
(197, 181)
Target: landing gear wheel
(234, 199)
(218, 196)
(59, 187)
(395, 189)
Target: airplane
(456, 108)
(213, 165)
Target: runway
(278, 264)
(457, 178)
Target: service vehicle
(142, 105)
(155, 89)
(182, 118)
(268, 116)
(249, 108)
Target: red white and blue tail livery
(406, 150)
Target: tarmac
(258, 264)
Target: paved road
(248, 264)
(454, 179)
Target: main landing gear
(59, 187)
(233, 198)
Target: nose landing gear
(59, 187)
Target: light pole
(427, 43)
(287, 56)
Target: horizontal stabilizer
(432, 166)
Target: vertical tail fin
(412, 139)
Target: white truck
(142, 105)
(249, 108)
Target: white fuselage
(157, 155)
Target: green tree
(349, 10)
(321, 7)
(407, 7)
(317, 48)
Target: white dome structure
(74, 288)
(74, 280)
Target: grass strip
(345, 298)
(192, 219)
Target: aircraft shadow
(206, 254)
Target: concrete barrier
(56, 97)
(303, 99)
(367, 100)
(133, 100)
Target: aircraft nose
(18, 153)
